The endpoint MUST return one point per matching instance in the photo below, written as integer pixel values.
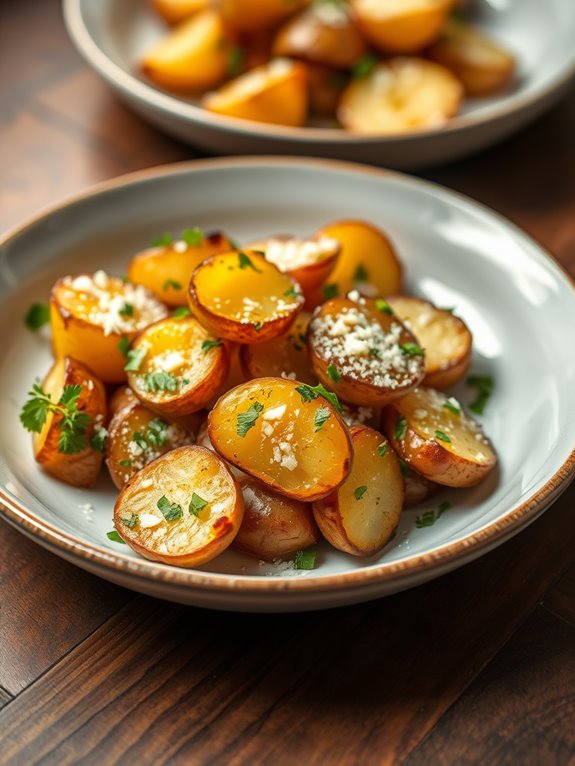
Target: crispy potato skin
(250, 16)
(80, 469)
(121, 397)
(195, 545)
(273, 526)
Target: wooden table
(477, 667)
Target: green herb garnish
(135, 358)
(236, 60)
(208, 344)
(400, 428)
(37, 316)
(383, 306)
(124, 345)
(162, 381)
(429, 518)
(98, 440)
(363, 66)
(245, 262)
(452, 405)
(193, 237)
(382, 449)
(330, 290)
(197, 504)
(320, 417)
(127, 310)
(115, 537)
(305, 559)
(171, 284)
(359, 492)
(170, 511)
(131, 520)
(442, 437)
(404, 468)
(484, 386)
(291, 293)
(247, 419)
(333, 373)
(163, 240)
(180, 312)
(308, 393)
(74, 422)
(361, 274)
(411, 349)
(258, 326)
(127, 463)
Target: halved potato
(367, 262)
(400, 26)
(363, 514)
(433, 434)
(365, 355)
(183, 509)
(282, 433)
(309, 261)
(481, 64)
(284, 357)
(275, 92)
(121, 397)
(81, 466)
(176, 365)
(242, 297)
(136, 436)
(193, 57)
(418, 489)
(273, 526)
(446, 339)
(175, 11)
(167, 270)
(91, 314)
(250, 16)
(401, 95)
(321, 34)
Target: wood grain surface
(476, 667)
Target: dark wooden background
(477, 667)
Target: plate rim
(455, 553)
(123, 80)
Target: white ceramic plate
(518, 303)
(113, 34)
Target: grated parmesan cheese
(293, 253)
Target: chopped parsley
(131, 520)
(291, 293)
(162, 381)
(400, 428)
(135, 357)
(320, 417)
(330, 290)
(98, 440)
(404, 468)
(236, 60)
(484, 386)
(127, 310)
(411, 349)
(305, 559)
(333, 373)
(193, 237)
(171, 284)
(443, 437)
(361, 274)
(382, 449)
(363, 66)
(359, 492)
(163, 240)
(127, 463)
(73, 424)
(157, 433)
(208, 344)
(308, 393)
(375, 352)
(452, 405)
(37, 316)
(429, 518)
(124, 345)
(197, 504)
(383, 306)
(170, 511)
(247, 419)
(258, 326)
(245, 262)
(180, 312)
(115, 537)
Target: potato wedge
(282, 433)
(273, 526)
(321, 34)
(91, 314)
(418, 489)
(175, 11)
(367, 262)
(446, 339)
(242, 297)
(175, 366)
(250, 16)
(400, 95)
(482, 65)
(309, 261)
(363, 514)
(194, 57)
(400, 26)
(275, 92)
(284, 357)
(167, 270)
(64, 445)
(183, 509)
(136, 436)
(434, 435)
(367, 356)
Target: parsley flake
(135, 357)
(383, 306)
(333, 373)
(208, 344)
(171, 284)
(181, 312)
(258, 326)
(247, 419)
(400, 428)
(245, 262)
(197, 504)
(131, 520)
(98, 440)
(305, 559)
(124, 345)
(452, 405)
(442, 437)
(291, 293)
(127, 310)
(308, 393)
(382, 449)
(330, 290)
(429, 518)
(236, 60)
(73, 423)
(115, 537)
(359, 492)
(170, 511)
(321, 416)
(404, 468)
(361, 274)
(193, 237)
(363, 66)
(127, 463)
(161, 381)
(37, 316)
(163, 240)
(411, 349)
(484, 386)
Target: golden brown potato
(321, 34)
(121, 398)
(418, 489)
(432, 434)
(273, 526)
(183, 509)
(69, 439)
(363, 514)
(275, 92)
(400, 95)
(366, 355)
(284, 357)
(282, 433)
(309, 261)
(481, 64)
(195, 56)
(175, 366)
(367, 262)
(175, 11)
(242, 297)
(250, 16)
(136, 436)
(167, 270)
(91, 315)
(445, 338)
(400, 26)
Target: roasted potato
(325, 86)
(275, 92)
(321, 34)
(400, 95)
(175, 11)
(436, 437)
(122, 397)
(367, 262)
(284, 434)
(175, 366)
(309, 261)
(193, 57)
(365, 354)
(273, 526)
(284, 357)
(400, 26)
(250, 16)
(242, 297)
(418, 489)
(446, 339)
(167, 270)
(481, 64)
(69, 439)
(361, 516)
(136, 436)
(182, 509)
(92, 314)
